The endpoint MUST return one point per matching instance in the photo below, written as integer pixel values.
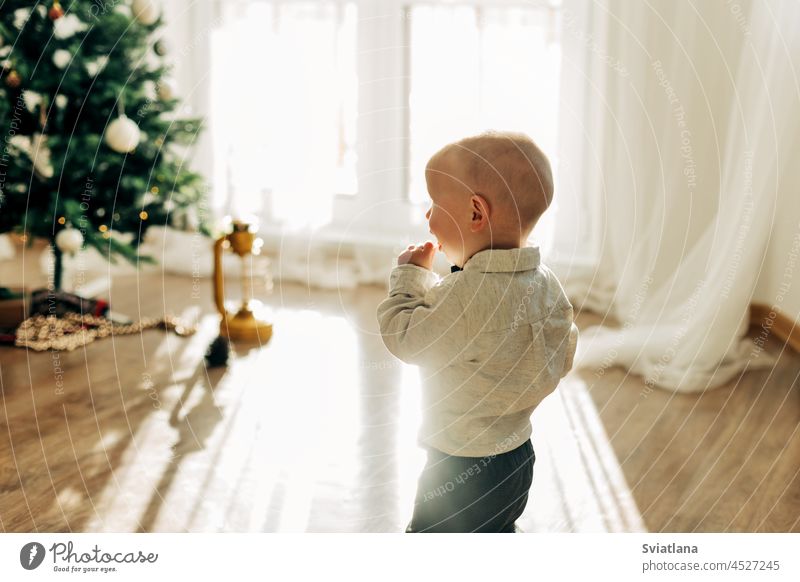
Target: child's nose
(428, 214)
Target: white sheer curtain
(681, 121)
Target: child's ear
(480, 212)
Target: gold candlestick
(248, 323)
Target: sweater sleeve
(422, 320)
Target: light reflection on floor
(317, 432)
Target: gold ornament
(73, 330)
(56, 11)
(13, 79)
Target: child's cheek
(433, 223)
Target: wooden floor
(316, 432)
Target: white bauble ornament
(122, 135)
(69, 240)
(167, 89)
(61, 58)
(61, 101)
(145, 11)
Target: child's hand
(419, 255)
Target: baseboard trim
(778, 322)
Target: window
(313, 100)
(284, 107)
(477, 67)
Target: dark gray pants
(473, 494)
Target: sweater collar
(502, 260)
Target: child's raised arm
(422, 320)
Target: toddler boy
(492, 339)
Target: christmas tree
(92, 151)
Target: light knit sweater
(492, 341)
